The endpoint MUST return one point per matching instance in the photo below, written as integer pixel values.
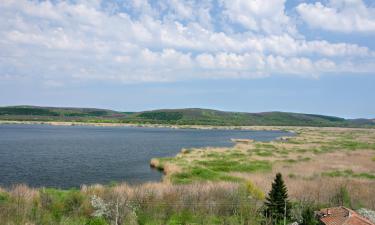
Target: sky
(233, 55)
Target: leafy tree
(277, 205)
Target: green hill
(193, 116)
(214, 117)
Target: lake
(69, 156)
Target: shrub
(96, 221)
(308, 217)
(72, 202)
(342, 197)
(254, 191)
(3, 197)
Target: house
(341, 216)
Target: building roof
(342, 216)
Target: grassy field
(314, 162)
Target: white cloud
(257, 15)
(164, 41)
(339, 15)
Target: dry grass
(23, 192)
(302, 159)
(320, 189)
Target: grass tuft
(348, 173)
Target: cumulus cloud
(257, 15)
(57, 42)
(339, 15)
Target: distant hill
(192, 116)
(58, 113)
(214, 117)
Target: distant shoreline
(205, 127)
(292, 129)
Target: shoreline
(172, 126)
(292, 129)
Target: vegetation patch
(236, 154)
(348, 173)
(263, 153)
(163, 116)
(236, 166)
(3, 197)
(268, 146)
(351, 145)
(201, 174)
(159, 163)
(323, 149)
(290, 161)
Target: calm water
(68, 156)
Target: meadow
(314, 162)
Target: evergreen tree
(277, 205)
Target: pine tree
(277, 205)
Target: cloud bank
(174, 40)
(339, 15)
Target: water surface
(69, 156)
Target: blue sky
(233, 55)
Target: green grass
(217, 170)
(303, 159)
(236, 166)
(283, 151)
(290, 161)
(201, 174)
(263, 153)
(350, 144)
(213, 155)
(267, 146)
(235, 154)
(323, 149)
(348, 173)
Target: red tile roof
(342, 216)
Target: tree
(277, 206)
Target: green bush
(308, 216)
(4, 197)
(72, 202)
(96, 221)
